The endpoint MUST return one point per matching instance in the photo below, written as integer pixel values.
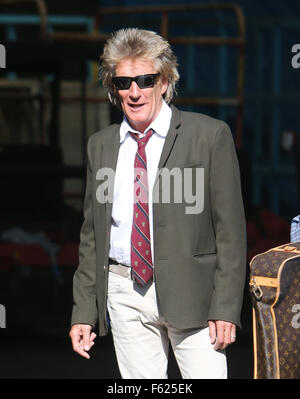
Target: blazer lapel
(170, 139)
(110, 158)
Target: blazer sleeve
(84, 280)
(230, 229)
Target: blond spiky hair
(138, 44)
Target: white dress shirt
(122, 211)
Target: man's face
(141, 106)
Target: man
(154, 268)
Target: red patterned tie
(141, 257)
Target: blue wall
(272, 87)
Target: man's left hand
(221, 333)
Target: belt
(119, 268)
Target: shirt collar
(160, 124)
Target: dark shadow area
(35, 342)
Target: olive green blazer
(199, 258)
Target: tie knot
(143, 140)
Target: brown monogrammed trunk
(275, 289)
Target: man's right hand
(82, 339)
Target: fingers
(88, 340)
(76, 335)
(212, 332)
(82, 339)
(92, 337)
(220, 336)
(225, 333)
(233, 334)
(86, 332)
(229, 334)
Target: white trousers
(141, 337)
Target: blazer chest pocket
(205, 254)
(189, 165)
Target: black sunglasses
(143, 81)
